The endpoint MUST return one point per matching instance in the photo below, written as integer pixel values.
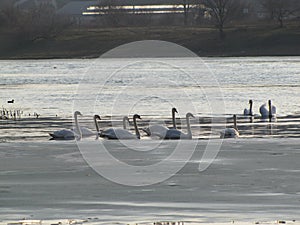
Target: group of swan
(170, 133)
(118, 133)
(155, 130)
(266, 111)
(79, 132)
(121, 133)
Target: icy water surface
(208, 87)
(255, 177)
(250, 180)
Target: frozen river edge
(249, 180)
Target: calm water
(207, 87)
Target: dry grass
(240, 41)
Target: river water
(252, 178)
(207, 87)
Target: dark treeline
(45, 21)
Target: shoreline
(91, 222)
(80, 43)
(96, 57)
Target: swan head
(136, 116)
(77, 113)
(189, 115)
(174, 110)
(250, 102)
(97, 117)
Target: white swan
(177, 134)
(230, 132)
(248, 112)
(97, 117)
(159, 130)
(267, 111)
(86, 132)
(118, 133)
(68, 134)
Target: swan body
(156, 130)
(159, 130)
(65, 134)
(68, 134)
(86, 132)
(230, 132)
(267, 111)
(118, 133)
(174, 134)
(248, 112)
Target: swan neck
(136, 128)
(250, 111)
(174, 119)
(96, 124)
(234, 123)
(270, 111)
(77, 126)
(188, 127)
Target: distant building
(86, 11)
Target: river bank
(93, 42)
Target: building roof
(78, 7)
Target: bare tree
(186, 9)
(8, 13)
(280, 10)
(40, 22)
(222, 10)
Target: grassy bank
(82, 43)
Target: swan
(177, 134)
(86, 132)
(97, 117)
(159, 130)
(67, 134)
(230, 132)
(267, 112)
(118, 133)
(248, 112)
